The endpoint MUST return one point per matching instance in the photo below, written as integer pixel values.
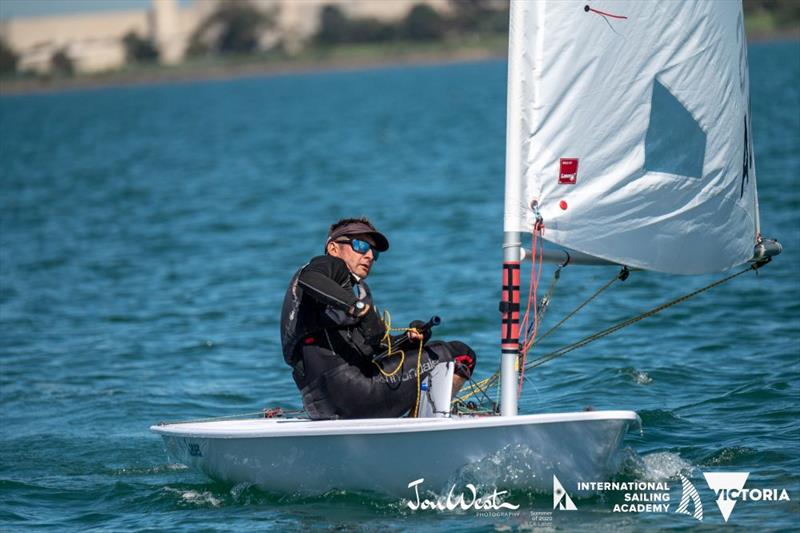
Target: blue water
(147, 234)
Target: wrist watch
(358, 307)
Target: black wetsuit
(331, 351)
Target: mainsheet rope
(387, 322)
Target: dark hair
(344, 221)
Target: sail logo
(568, 171)
(689, 494)
(729, 488)
(561, 499)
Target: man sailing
(331, 332)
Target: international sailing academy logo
(561, 499)
(640, 496)
(689, 494)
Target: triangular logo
(727, 486)
(690, 495)
(561, 499)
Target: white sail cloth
(633, 134)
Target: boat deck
(290, 427)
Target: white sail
(633, 134)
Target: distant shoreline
(188, 74)
(221, 69)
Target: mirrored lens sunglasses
(361, 247)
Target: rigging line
(523, 325)
(627, 322)
(536, 233)
(605, 17)
(463, 399)
(538, 312)
(577, 309)
(609, 25)
(482, 391)
(549, 294)
(536, 275)
(485, 384)
(473, 389)
(544, 303)
(481, 386)
(603, 13)
(491, 381)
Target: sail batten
(632, 136)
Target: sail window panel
(675, 143)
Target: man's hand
(414, 335)
(415, 332)
(358, 313)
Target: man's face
(358, 264)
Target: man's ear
(330, 249)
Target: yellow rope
(474, 388)
(387, 322)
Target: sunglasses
(361, 247)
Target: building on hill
(94, 41)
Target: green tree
(138, 50)
(482, 16)
(333, 26)
(61, 63)
(784, 13)
(468, 13)
(336, 28)
(370, 30)
(235, 27)
(8, 59)
(423, 23)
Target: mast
(509, 304)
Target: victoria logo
(729, 488)
(561, 499)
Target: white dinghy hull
(384, 455)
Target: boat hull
(385, 455)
